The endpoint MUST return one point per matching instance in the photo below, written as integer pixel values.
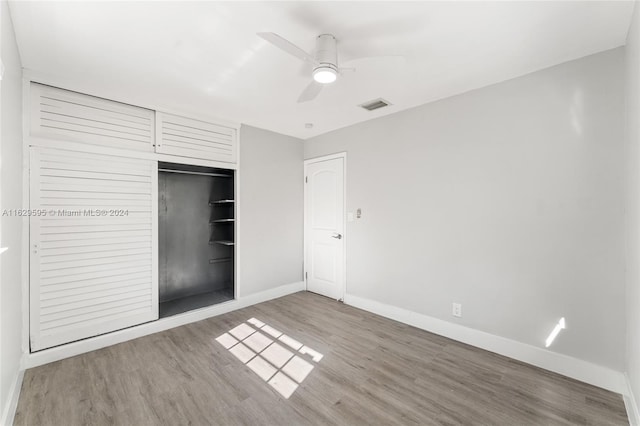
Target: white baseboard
(631, 404)
(87, 345)
(12, 400)
(575, 368)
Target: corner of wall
(632, 220)
(11, 406)
(12, 227)
(633, 413)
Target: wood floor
(373, 371)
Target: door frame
(307, 162)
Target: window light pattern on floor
(270, 354)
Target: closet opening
(196, 237)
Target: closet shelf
(222, 220)
(217, 202)
(220, 260)
(223, 242)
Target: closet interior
(196, 237)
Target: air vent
(375, 104)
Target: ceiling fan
(325, 61)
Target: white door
(93, 244)
(324, 226)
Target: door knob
(336, 235)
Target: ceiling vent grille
(375, 104)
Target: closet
(196, 237)
(132, 214)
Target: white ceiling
(205, 56)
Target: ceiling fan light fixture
(325, 74)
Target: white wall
(10, 198)
(507, 199)
(632, 79)
(271, 210)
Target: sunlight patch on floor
(260, 347)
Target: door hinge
(306, 179)
(306, 276)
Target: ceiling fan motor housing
(327, 56)
(326, 52)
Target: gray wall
(507, 199)
(271, 210)
(633, 203)
(10, 198)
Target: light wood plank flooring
(374, 371)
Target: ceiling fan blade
(310, 92)
(288, 47)
(376, 66)
(341, 70)
(398, 60)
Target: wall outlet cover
(457, 310)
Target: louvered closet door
(193, 138)
(94, 248)
(70, 116)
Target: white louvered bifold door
(196, 139)
(93, 233)
(70, 116)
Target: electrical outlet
(457, 310)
